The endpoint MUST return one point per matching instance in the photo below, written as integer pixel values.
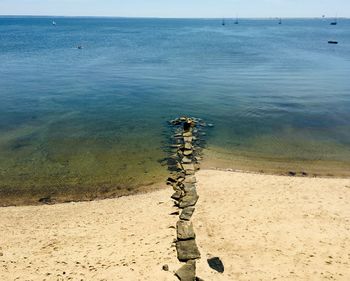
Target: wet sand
(262, 227)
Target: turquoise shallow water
(92, 119)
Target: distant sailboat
(236, 21)
(223, 22)
(335, 22)
(53, 23)
(280, 21)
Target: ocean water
(94, 119)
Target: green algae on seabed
(62, 161)
(264, 154)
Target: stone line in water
(183, 180)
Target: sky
(178, 8)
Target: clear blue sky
(178, 8)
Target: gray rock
(46, 200)
(175, 122)
(187, 126)
(187, 250)
(179, 166)
(190, 179)
(188, 152)
(190, 199)
(188, 139)
(187, 272)
(188, 146)
(216, 264)
(177, 187)
(186, 160)
(177, 195)
(185, 230)
(187, 213)
(172, 179)
(180, 179)
(189, 187)
(189, 172)
(187, 167)
(175, 145)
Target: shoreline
(214, 159)
(97, 195)
(261, 226)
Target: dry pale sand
(262, 227)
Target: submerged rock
(175, 145)
(185, 230)
(172, 179)
(188, 146)
(187, 272)
(187, 126)
(187, 134)
(187, 250)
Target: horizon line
(154, 17)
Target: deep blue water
(96, 116)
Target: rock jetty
(185, 152)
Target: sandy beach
(263, 227)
